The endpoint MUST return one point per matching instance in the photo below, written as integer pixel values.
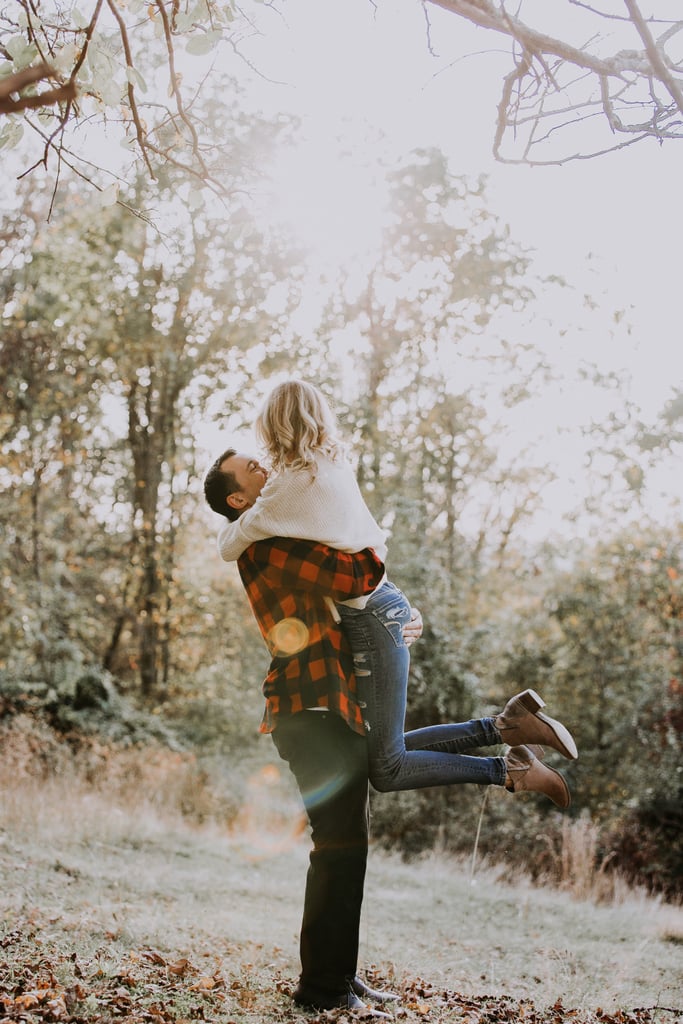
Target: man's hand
(412, 630)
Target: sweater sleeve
(279, 511)
(326, 508)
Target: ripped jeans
(423, 757)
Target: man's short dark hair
(219, 485)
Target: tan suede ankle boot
(522, 722)
(526, 773)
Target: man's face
(250, 477)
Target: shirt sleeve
(293, 565)
(279, 511)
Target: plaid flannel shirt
(287, 581)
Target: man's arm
(292, 564)
(412, 630)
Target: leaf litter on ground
(42, 983)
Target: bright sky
(359, 70)
(611, 226)
(611, 223)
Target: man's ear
(236, 501)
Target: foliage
(429, 361)
(117, 340)
(146, 73)
(138, 322)
(143, 73)
(646, 846)
(601, 643)
(618, 654)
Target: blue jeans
(423, 757)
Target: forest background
(532, 497)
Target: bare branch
(629, 84)
(66, 113)
(174, 80)
(428, 29)
(613, 92)
(654, 54)
(139, 131)
(486, 15)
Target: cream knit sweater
(328, 509)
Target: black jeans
(330, 765)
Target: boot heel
(531, 701)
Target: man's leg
(329, 763)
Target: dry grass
(100, 875)
(125, 895)
(577, 869)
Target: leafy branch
(11, 88)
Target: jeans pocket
(393, 615)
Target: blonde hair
(295, 425)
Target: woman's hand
(412, 630)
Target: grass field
(111, 910)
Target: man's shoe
(522, 722)
(365, 992)
(349, 1001)
(526, 773)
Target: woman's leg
(454, 737)
(381, 662)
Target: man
(315, 721)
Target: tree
(142, 326)
(620, 67)
(135, 70)
(602, 641)
(428, 353)
(51, 391)
(142, 71)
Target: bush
(648, 845)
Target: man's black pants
(329, 762)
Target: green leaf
(183, 22)
(107, 88)
(198, 46)
(80, 20)
(21, 52)
(11, 134)
(65, 58)
(135, 78)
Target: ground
(112, 912)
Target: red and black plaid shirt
(287, 581)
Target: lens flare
(289, 636)
(325, 791)
(271, 819)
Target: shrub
(648, 845)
